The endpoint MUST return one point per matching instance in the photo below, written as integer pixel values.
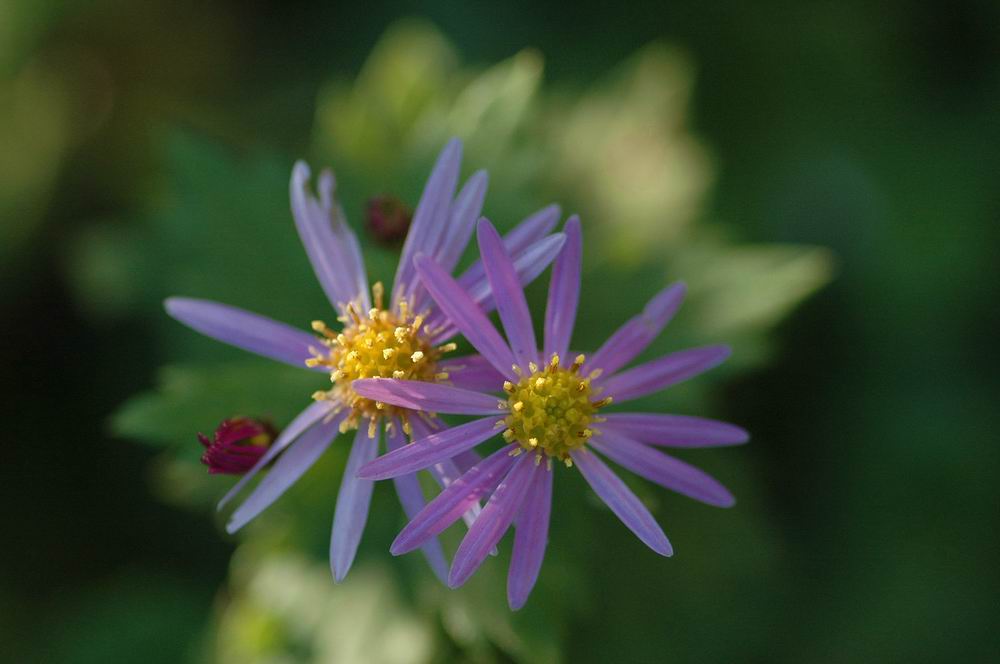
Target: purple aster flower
(407, 339)
(237, 445)
(548, 412)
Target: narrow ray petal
(466, 460)
(665, 470)
(312, 414)
(528, 232)
(664, 372)
(427, 451)
(564, 292)
(447, 249)
(332, 259)
(674, 430)
(295, 461)
(464, 213)
(530, 540)
(472, 372)
(463, 460)
(454, 501)
(411, 497)
(350, 249)
(491, 525)
(431, 397)
(430, 215)
(447, 471)
(511, 303)
(634, 336)
(353, 501)
(245, 330)
(465, 315)
(528, 264)
(620, 499)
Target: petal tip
(171, 304)
(339, 571)
(664, 548)
(484, 225)
(300, 172)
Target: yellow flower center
(385, 344)
(552, 409)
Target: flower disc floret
(383, 344)
(551, 410)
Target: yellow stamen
(384, 344)
(551, 410)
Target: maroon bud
(387, 219)
(237, 445)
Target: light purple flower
(548, 411)
(406, 339)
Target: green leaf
(189, 398)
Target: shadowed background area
(823, 175)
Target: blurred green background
(824, 176)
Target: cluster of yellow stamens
(385, 344)
(551, 409)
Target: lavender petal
(634, 336)
(491, 525)
(620, 499)
(330, 245)
(664, 470)
(347, 241)
(528, 264)
(240, 328)
(674, 430)
(353, 501)
(447, 471)
(463, 460)
(664, 372)
(529, 231)
(296, 460)
(429, 217)
(511, 303)
(431, 397)
(427, 451)
(464, 213)
(454, 501)
(564, 292)
(456, 304)
(472, 372)
(530, 540)
(411, 497)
